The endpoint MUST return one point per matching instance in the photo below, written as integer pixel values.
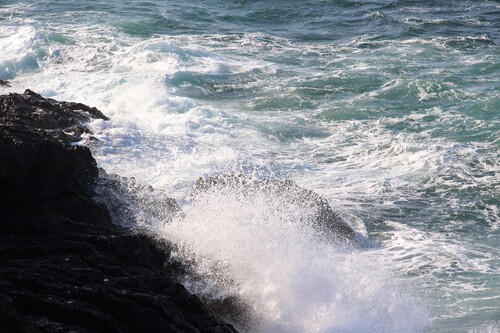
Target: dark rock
(35, 111)
(10, 318)
(131, 203)
(4, 83)
(38, 155)
(64, 266)
(325, 218)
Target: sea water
(388, 109)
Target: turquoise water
(389, 109)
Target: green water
(390, 109)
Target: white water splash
(264, 252)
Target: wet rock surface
(64, 266)
(324, 217)
(133, 204)
(39, 158)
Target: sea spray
(264, 250)
(389, 109)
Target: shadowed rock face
(64, 266)
(38, 155)
(324, 217)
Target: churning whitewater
(265, 251)
(387, 109)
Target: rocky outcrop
(325, 219)
(133, 204)
(64, 266)
(38, 155)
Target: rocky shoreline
(72, 257)
(64, 266)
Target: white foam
(166, 138)
(18, 52)
(265, 253)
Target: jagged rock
(63, 265)
(38, 155)
(133, 204)
(325, 217)
(36, 111)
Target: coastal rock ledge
(64, 266)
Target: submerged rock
(64, 266)
(325, 218)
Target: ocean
(389, 109)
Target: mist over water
(388, 109)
